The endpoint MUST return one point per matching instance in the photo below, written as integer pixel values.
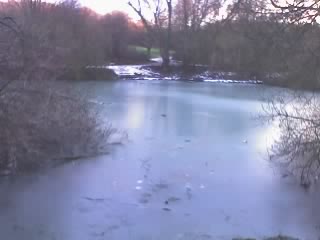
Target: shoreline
(199, 73)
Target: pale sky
(104, 6)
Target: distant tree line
(43, 121)
(256, 37)
(259, 38)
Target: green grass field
(155, 52)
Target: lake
(194, 166)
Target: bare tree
(251, 10)
(118, 35)
(193, 13)
(297, 113)
(298, 10)
(42, 120)
(190, 16)
(298, 145)
(156, 16)
(11, 39)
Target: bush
(41, 123)
(89, 73)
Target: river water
(194, 166)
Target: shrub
(41, 123)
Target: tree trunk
(165, 60)
(186, 48)
(149, 52)
(166, 52)
(185, 53)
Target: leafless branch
(298, 146)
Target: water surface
(194, 167)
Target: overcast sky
(104, 6)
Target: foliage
(52, 39)
(190, 15)
(43, 123)
(252, 39)
(43, 120)
(118, 35)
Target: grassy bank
(154, 52)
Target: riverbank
(198, 73)
(153, 70)
(89, 73)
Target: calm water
(194, 167)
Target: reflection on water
(182, 111)
(267, 136)
(195, 167)
(134, 118)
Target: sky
(104, 6)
